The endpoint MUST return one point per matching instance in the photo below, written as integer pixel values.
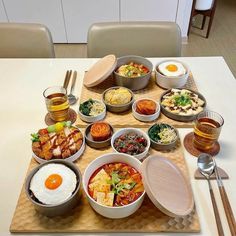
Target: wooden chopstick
(226, 203)
(67, 79)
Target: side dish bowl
(112, 212)
(63, 207)
(97, 144)
(118, 108)
(92, 118)
(133, 83)
(168, 82)
(138, 132)
(163, 136)
(143, 117)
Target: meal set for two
(115, 183)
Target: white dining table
(22, 82)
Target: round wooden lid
(100, 71)
(166, 186)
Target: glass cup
(207, 127)
(57, 103)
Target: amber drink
(57, 103)
(207, 129)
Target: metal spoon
(206, 167)
(72, 98)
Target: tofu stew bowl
(120, 173)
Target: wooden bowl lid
(100, 71)
(166, 186)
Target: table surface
(22, 112)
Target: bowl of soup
(133, 72)
(113, 185)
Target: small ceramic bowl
(137, 131)
(146, 118)
(160, 146)
(118, 108)
(97, 144)
(55, 209)
(112, 212)
(135, 83)
(168, 82)
(91, 119)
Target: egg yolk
(53, 181)
(172, 68)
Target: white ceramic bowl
(171, 81)
(128, 130)
(91, 119)
(146, 118)
(112, 212)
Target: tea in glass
(207, 129)
(57, 103)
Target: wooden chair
(24, 40)
(210, 13)
(147, 39)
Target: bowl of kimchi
(133, 72)
(113, 185)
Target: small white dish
(168, 82)
(146, 118)
(137, 131)
(91, 119)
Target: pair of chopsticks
(67, 79)
(226, 203)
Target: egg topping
(171, 68)
(53, 183)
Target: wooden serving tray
(83, 219)
(126, 119)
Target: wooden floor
(221, 42)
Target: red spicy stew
(115, 184)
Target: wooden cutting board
(83, 219)
(126, 119)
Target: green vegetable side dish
(91, 107)
(86, 107)
(182, 100)
(162, 133)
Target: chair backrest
(148, 39)
(24, 40)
